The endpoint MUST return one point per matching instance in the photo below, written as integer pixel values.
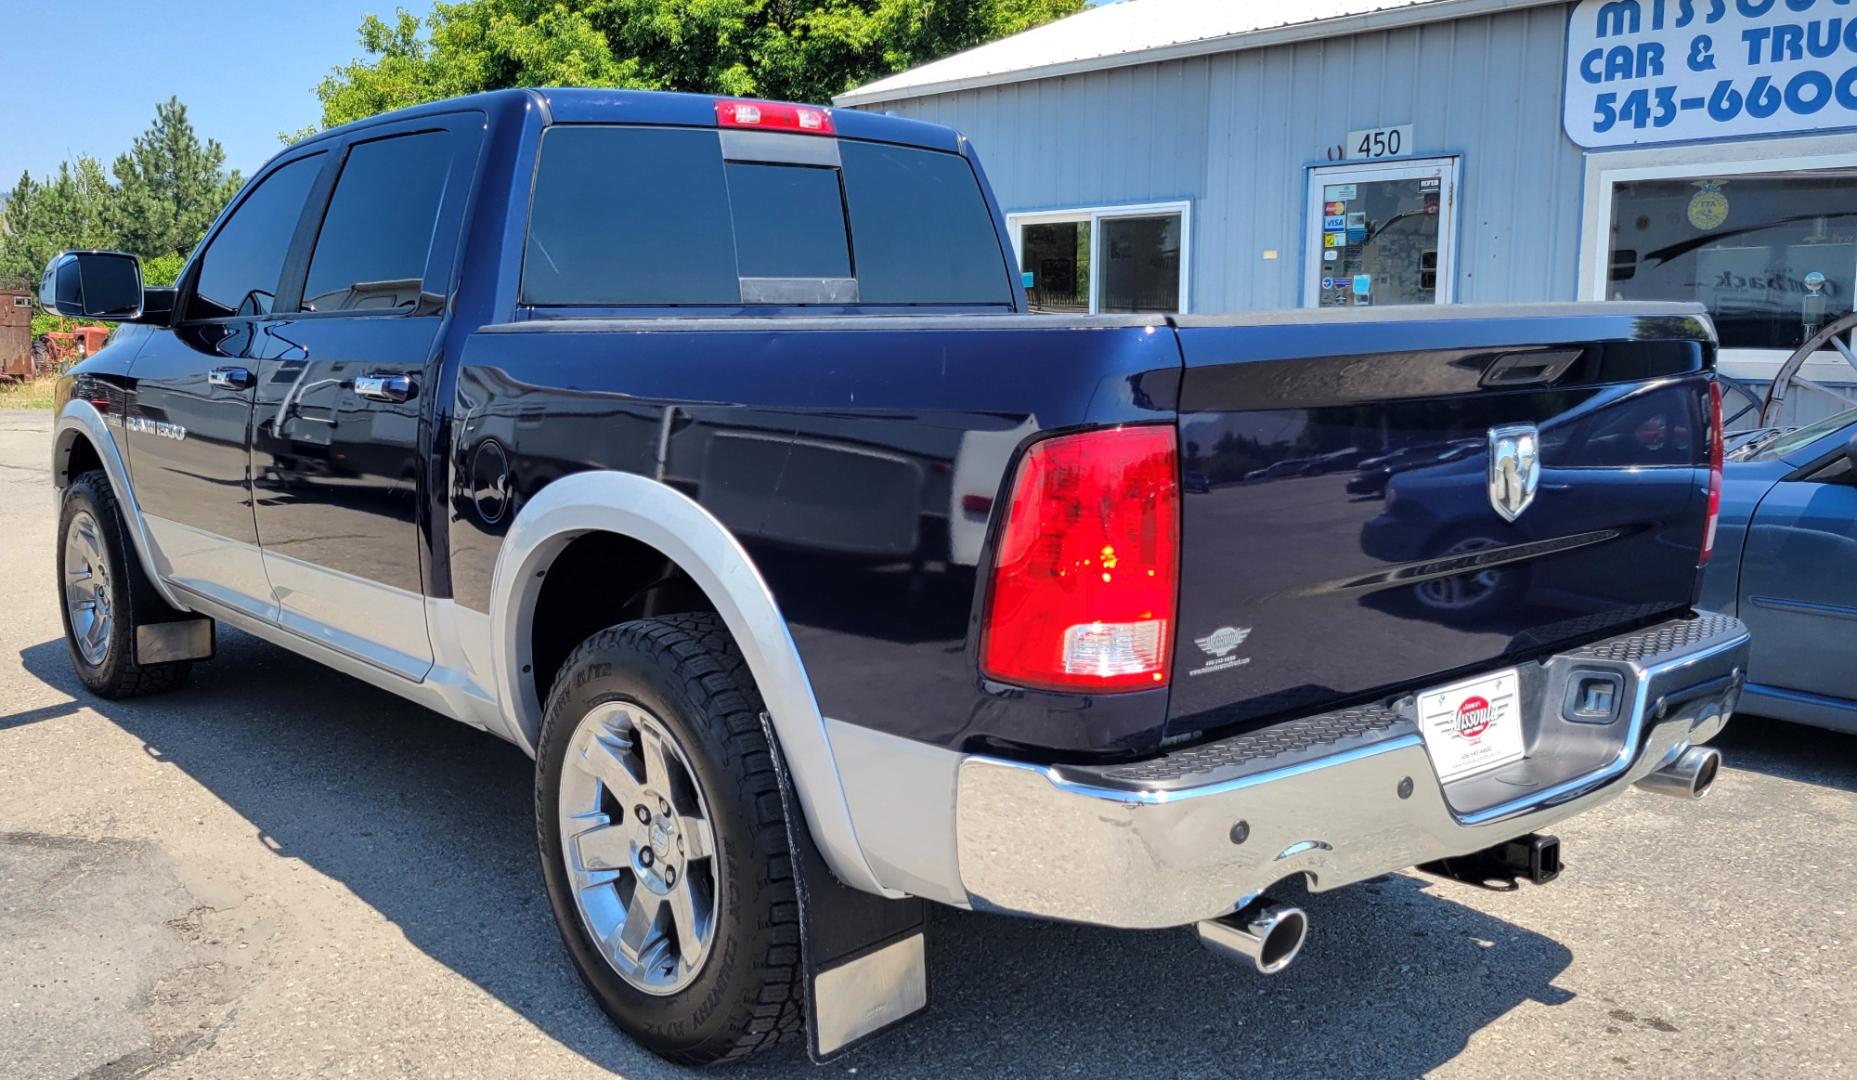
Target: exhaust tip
(1706, 769)
(1690, 776)
(1268, 934)
(1283, 942)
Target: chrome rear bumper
(1338, 798)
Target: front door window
(1380, 234)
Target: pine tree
(169, 186)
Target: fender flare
(81, 418)
(656, 514)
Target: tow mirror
(93, 285)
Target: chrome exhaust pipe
(1267, 933)
(1690, 776)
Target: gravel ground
(280, 872)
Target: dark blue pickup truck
(706, 450)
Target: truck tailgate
(1343, 534)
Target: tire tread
(129, 679)
(700, 652)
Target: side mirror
(93, 285)
(1850, 453)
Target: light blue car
(1786, 563)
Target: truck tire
(101, 588)
(664, 844)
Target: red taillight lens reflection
(774, 116)
(1087, 571)
(1715, 470)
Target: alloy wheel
(87, 596)
(640, 847)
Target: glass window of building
(1772, 256)
(1055, 258)
(1141, 264)
(1104, 260)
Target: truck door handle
(394, 388)
(230, 378)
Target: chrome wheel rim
(87, 596)
(1460, 591)
(637, 838)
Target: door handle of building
(394, 388)
(230, 378)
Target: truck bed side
(858, 459)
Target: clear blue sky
(83, 76)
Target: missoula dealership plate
(1473, 726)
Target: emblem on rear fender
(1514, 468)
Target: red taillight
(773, 116)
(1087, 569)
(1715, 470)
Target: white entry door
(1381, 233)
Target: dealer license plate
(1473, 726)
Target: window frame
(1605, 170)
(441, 272)
(1448, 167)
(1094, 216)
(438, 282)
(840, 296)
(188, 281)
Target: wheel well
(599, 580)
(80, 457)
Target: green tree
(168, 189)
(72, 209)
(170, 186)
(802, 50)
(163, 269)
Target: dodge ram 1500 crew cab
(706, 450)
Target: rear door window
(371, 252)
(644, 217)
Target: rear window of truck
(632, 216)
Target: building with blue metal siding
(1209, 155)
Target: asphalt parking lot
(278, 871)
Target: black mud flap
(864, 958)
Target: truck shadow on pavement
(431, 824)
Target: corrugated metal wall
(1232, 134)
